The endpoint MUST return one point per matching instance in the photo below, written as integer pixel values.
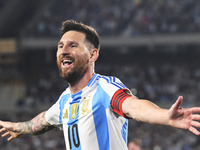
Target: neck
(82, 83)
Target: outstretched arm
(38, 125)
(144, 110)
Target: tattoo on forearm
(35, 126)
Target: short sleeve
(117, 100)
(52, 115)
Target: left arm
(37, 125)
(146, 111)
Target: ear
(94, 54)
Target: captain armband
(117, 100)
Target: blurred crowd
(2, 3)
(121, 17)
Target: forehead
(73, 36)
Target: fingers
(10, 138)
(178, 102)
(193, 130)
(195, 117)
(5, 134)
(194, 109)
(2, 130)
(195, 124)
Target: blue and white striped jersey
(87, 118)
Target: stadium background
(152, 46)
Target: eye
(60, 46)
(73, 45)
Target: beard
(75, 74)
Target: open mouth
(67, 62)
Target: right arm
(175, 116)
(37, 125)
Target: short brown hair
(91, 35)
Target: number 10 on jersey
(73, 136)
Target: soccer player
(93, 111)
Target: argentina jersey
(87, 118)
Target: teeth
(66, 61)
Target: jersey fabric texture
(87, 117)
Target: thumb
(178, 102)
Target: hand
(184, 118)
(9, 129)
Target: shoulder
(111, 81)
(109, 84)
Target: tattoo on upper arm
(36, 126)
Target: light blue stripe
(62, 103)
(71, 122)
(124, 131)
(100, 103)
(75, 99)
(73, 147)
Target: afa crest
(85, 105)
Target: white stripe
(87, 130)
(115, 136)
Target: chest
(75, 110)
(86, 108)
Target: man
(93, 110)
